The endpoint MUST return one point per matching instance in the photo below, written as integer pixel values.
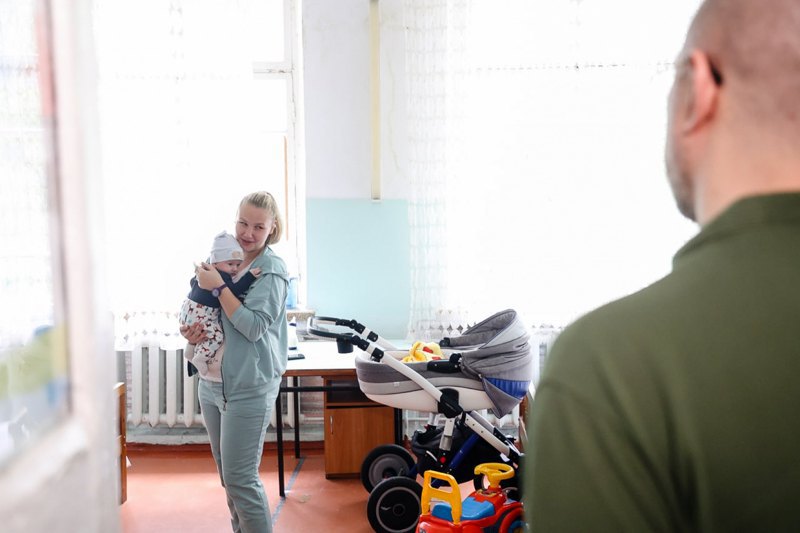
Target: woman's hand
(194, 333)
(208, 277)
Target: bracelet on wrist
(215, 292)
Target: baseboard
(269, 447)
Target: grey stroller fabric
(377, 378)
(497, 352)
(495, 358)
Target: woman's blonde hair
(264, 200)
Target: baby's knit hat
(226, 248)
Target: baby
(203, 306)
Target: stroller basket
(426, 445)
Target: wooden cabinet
(354, 425)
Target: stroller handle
(345, 341)
(352, 324)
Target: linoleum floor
(179, 491)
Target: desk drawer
(345, 398)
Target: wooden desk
(339, 376)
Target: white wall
(375, 289)
(337, 99)
(67, 481)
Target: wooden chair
(122, 411)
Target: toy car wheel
(394, 505)
(388, 460)
(514, 523)
(518, 527)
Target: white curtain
(435, 41)
(183, 140)
(538, 129)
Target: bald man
(678, 408)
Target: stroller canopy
(497, 352)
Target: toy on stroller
(489, 366)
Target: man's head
(734, 108)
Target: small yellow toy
(423, 351)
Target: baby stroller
(489, 366)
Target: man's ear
(704, 92)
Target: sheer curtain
(550, 195)
(183, 140)
(26, 262)
(435, 51)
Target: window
(34, 382)
(549, 175)
(197, 108)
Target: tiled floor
(178, 491)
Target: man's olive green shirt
(677, 408)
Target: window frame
(290, 70)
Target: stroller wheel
(394, 505)
(383, 462)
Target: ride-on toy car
(484, 510)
